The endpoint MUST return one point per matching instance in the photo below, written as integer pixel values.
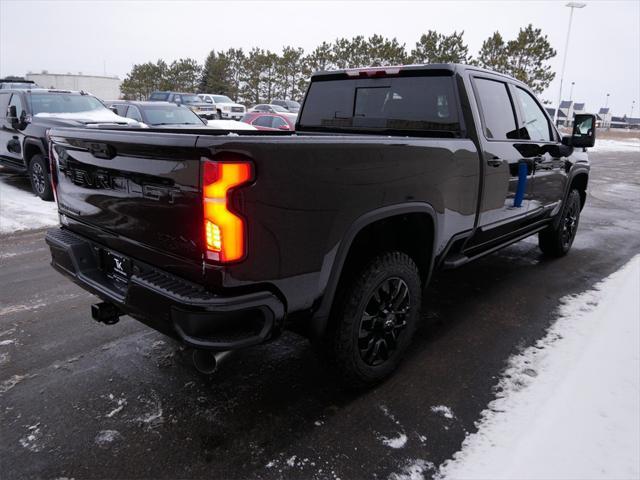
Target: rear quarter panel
(309, 190)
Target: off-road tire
(343, 345)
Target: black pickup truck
(26, 114)
(223, 239)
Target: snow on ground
(20, 209)
(568, 407)
(606, 145)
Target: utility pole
(572, 6)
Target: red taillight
(224, 230)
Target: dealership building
(103, 87)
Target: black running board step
(455, 261)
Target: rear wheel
(556, 240)
(375, 320)
(39, 176)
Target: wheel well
(30, 150)
(411, 233)
(579, 183)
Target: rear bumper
(171, 305)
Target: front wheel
(556, 240)
(39, 176)
(374, 321)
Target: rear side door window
(278, 122)
(535, 125)
(498, 116)
(264, 121)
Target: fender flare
(321, 316)
(31, 141)
(581, 170)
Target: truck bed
(140, 193)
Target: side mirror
(584, 131)
(284, 127)
(114, 110)
(16, 122)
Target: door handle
(494, 162)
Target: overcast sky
(91, 36)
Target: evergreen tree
(253, 75)
(351, 53)
(322, 58)
(291, 73)
(268, 76)
(237, 60)
(216, 74)
(184, 75)
(493, 54)
(527, 58)
(144, 79)
(434, 47)
(382, 51)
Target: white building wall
(105, 88)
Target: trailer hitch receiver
(105, 312)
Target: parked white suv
(226, 108)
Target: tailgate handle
(102, 150)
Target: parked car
(223, 241)
(17, 83)
(289, 105)
(226, 108)
(268, 108)
(26, 115)
(271, 121)
(190, 100)
(158, 114)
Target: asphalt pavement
(84, 400)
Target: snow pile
(606, 145)
(569, 406)
(20, 209)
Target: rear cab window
(159, 96)
(405, 105)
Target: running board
(459, 259)
(455, 261)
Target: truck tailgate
(141, 192)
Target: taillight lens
(225, 236)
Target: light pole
(572, 6)
(570, 109)
(606, 100)
(633, 104)
(571, 91)
(606, 114)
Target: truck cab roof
(411, 69)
